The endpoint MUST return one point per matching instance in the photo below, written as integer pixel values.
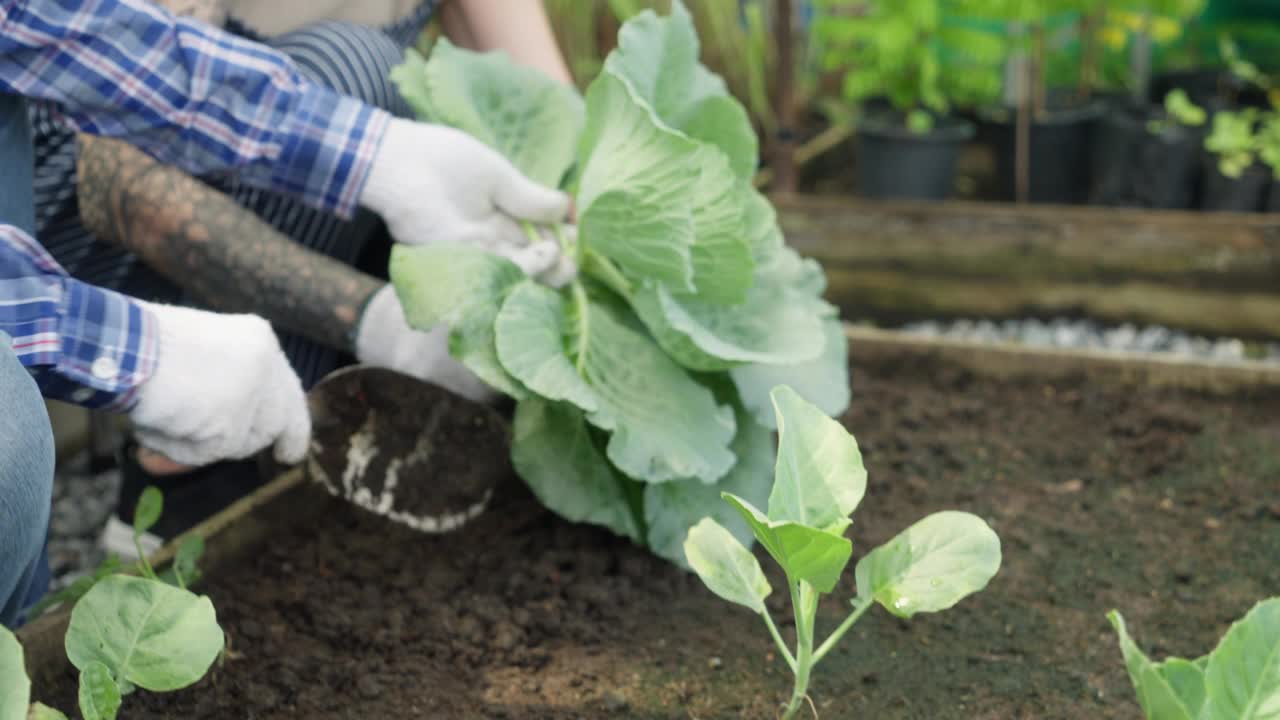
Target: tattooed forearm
(216, 250)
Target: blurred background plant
(931, 59)
(917, 55)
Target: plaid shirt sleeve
(82, 344)
(190, 95)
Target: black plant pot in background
(896, 163)
(1209, 88)
(1273, 196)
(1135, 167)
(1246, 193)
(1059, 157)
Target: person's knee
(353, 59)
(26, 462)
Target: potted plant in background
(1234, 179)
(1041, 132)
(1268, 142)
(907, 68)
(1149, 157)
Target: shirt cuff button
(104, 368)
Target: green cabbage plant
(1239, 680)
(643, 386)
(820, 480)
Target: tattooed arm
(218, 251)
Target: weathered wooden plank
(1212, 273)
(1050, 364)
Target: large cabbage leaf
(511, 108)
(659, 56)
(643, 386)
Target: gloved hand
(385, 339)
(222, 390)
(432, 184)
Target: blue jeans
(17, 206)
(26, 488)
(26, 439)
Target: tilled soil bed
(1160, 503)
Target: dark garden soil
(1159, 503)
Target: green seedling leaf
(815, 556)
(726, 567)
(76, 589)
(1180, 107)
(659, 57)
(147, 512)
(1172, 690)
(552, 450)
(1243, 675)
(531, 335)
(820, 477)
(40, 711)
(15, 687)
(99, 694)
(931, 565)
(521, 112)
(186, 561)
(149, 634)
(671, 508)
(464, 288)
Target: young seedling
(125, 632)
(1179, 111)
(1239, 680)
(818, 483)
(146, 514)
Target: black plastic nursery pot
(1208, 87)
(1134, 166)
(1059, 157)
(1247, 193)
(897, 163)
(1273, 196)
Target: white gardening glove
(434, 184)
(222, 390)
(384, 338)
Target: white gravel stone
(1069, 333)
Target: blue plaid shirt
(83, 344)
(190, 95)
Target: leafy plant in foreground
(1239, 680)
(819, 482)
(125, 633)
(642, 387)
